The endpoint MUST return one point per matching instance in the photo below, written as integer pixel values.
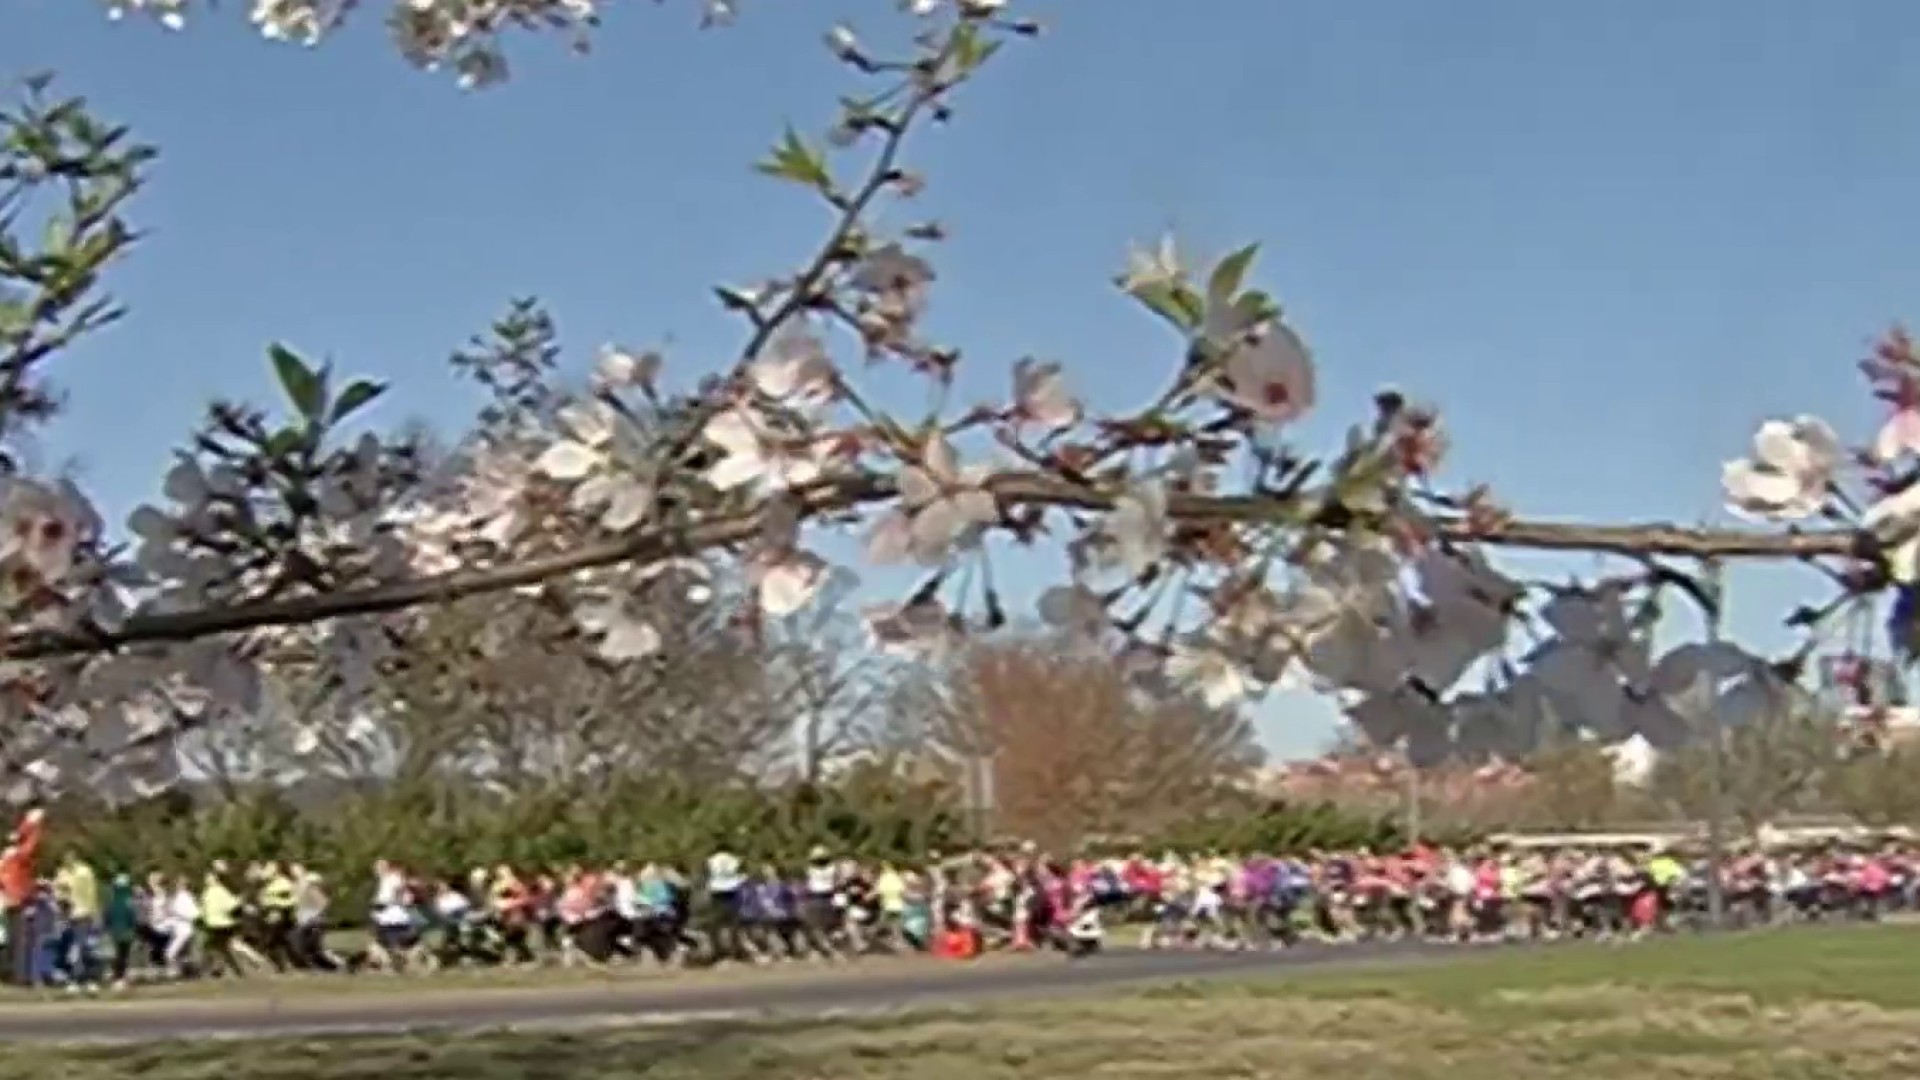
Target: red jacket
(17, 866)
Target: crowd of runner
(84, 930)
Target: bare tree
(230, 757)
(826, 684)
(1878, 787)
(1573, 787)
(1074, 750)
(1775, 764)
(504, 690)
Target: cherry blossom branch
(662, 542)
(923, 97)
(1657, 539)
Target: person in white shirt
(310, 921)
(451, 911)
(1459, 897)
(181, 920)
(724, 882)
(393, 921)
(626, 909)
(819, 914)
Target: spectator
(78, 890)
(120, 922)
(17, 878)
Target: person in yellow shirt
(77, 888)
(890, 889)
(278, 898)
(220, 916)
(1665, 874)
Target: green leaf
(15, 317)
(357, 394)
(57, 237)
(970, 49)
(285, 442)
(1257, 306)
(794, 160)
(1173, 302)
(1232, 272)
(305, 388)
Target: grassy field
(1841, 1003)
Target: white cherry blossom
(1041, 397)
(943, 505)
(1271, 377)
(1790, 475)
(1155, 267)
(619, 369)
(1134, 536)
(589, 431)
(1900, 435)
(1252, 625)
(894, 284)
(43, 527)
(785, 577)
(623, 633)
(1633, 761)
(795, 369)
(755, 455)
(1340, 609)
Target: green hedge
(448, 831)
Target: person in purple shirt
(777, 904)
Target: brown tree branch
(661, 542)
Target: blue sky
(1606, 238)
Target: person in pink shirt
(1143, 878)
(1870, 883)
(1080, 876)
(1488, 893)
(1059, 888)
(589, 923)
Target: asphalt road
(903, 985)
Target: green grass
(1841, 1003)
(1877, 964)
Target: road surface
(880, 988)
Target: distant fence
(1788, 832)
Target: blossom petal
(567, 460)
(791, 583)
